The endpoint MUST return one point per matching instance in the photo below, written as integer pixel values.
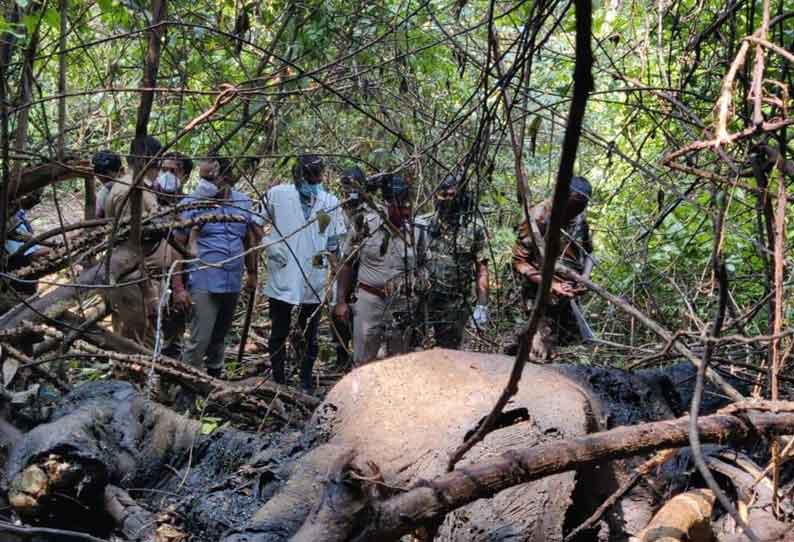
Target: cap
(105, 162)
(310, 165)
(581, 186)
(450, 181)
(395, 188)
(351, 176)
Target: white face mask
(168, 182)
(206, 188)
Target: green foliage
(400, 85)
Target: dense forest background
(684, 138)
(419, 87)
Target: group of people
(392, 280)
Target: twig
(30, 532)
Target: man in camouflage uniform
(455, 261)
(388, 256)
(559, 325)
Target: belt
(379, 292)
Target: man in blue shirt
(214, 284)
(19, 232)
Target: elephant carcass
(406, 414)
(107, 433)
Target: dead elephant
(406, 414)
(403, 416)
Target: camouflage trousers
(446, 317)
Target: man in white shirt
(307, 223)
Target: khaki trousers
(374, 325)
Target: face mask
(308, 190)
(206, 189)
(168, 182)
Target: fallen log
(399, 515)
(684, 518)
(41, 175)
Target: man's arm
(181, 297)
(252, 238)
(524, 264)
(483, 286)
(344, 282)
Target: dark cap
(450, 181)
(309, 166)
(353, 176)
(581, 186)
(106, 162)
(395, 188)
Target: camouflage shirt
(453, 254)
(575, 243)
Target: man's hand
(565, 289)
(181, 300)
(342, 312)
(250, 282)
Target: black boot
(215, 372)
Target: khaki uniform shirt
(118, 193)
(384, 259)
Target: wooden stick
(401, 514)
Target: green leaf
(209, 424)
(30, 22)
(52, 18)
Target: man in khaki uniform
(132, 306)
(175, 170)
(388, 257)
(141, 151)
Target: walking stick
(249, 311)
(253, 267)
